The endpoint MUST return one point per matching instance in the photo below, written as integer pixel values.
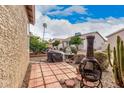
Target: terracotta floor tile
(54, 68)
(44, 66)
(50, 79)
(46, 69)
(33, 71)
(34, 67)
(35, 64)
(74, 70)
(62, 67)
(47, 73)
(36, 78)
(66, 70)
(41, 86)
(61, 76)
(38, 71)
(39, 79)
(31, 83)
(54, 85)
(59, 64)
(70, 67)
(57, 72)
(71, 75)
(39, 83)
(32, 76)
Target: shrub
(36, 45)
(102, 59)
(78, 58)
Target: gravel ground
(107, 78)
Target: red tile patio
(47, 75)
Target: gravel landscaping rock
(62, 81)
(70, 83)
(78, 77)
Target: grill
(54, 56)
(89, 67)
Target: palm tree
(44, 26)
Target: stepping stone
(79, 77)
(62, 81)
(70, 83)
(90, 84)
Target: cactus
(118, 62)
(122, 61)
(115, 69)
(109, 55)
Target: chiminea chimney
(89, 67)
(90, 49)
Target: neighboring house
(99, 41)
(14, 43)
(113, 37)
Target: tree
(76, 40)
(56, 43)
(36, 45)
(44, 26)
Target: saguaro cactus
(118, 61)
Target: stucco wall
(112, 39)
(98, 42)
(13, 45)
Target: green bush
(102, 59)
(76, 40)
(36, 45)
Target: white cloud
(69, 11)
(47, 8)
(63, 28)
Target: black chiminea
(89, 67)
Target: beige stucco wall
(13, 45)
(112, 39)
(98, 42)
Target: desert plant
(102, 59)
(118, 61)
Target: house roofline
(115, 33)
(87, 34)
(30, 9)
(95, 32)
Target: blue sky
(96, 12)
(65, 20)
